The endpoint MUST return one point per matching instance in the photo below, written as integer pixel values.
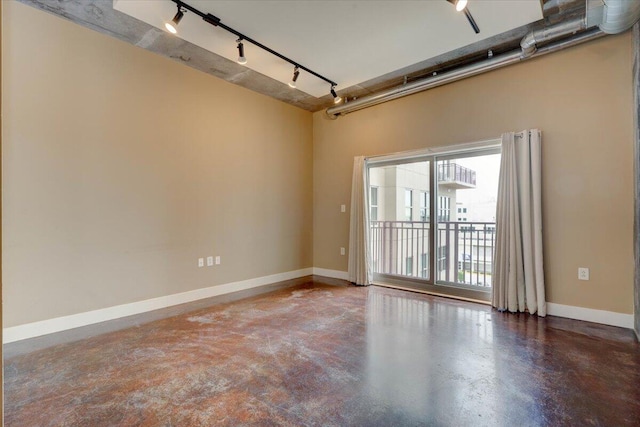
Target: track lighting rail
(216, 22)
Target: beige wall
(580, 98)
(121, 168)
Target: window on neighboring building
(424, 260)
(444, 208)
(408, 205)
(424, 206)
(409, 266)
(374, 204)
(442, 258)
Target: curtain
(518, 283)
(359, 266)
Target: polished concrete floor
(320, 354)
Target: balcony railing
(453, 172)
(464, 251)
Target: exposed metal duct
(619, 15)
(529, 43)
(624, 12)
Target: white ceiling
(348, 42)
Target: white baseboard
(58, 324)
(591, 315)
(334, 274)
(44, 327)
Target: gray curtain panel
(518, 270)
(359, 256)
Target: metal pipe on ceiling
(464, 72)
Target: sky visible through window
(481, 201)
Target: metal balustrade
(453, 172)
(464, 251)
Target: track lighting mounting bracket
(211, 19)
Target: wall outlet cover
(583, 273)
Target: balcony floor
(320, 354)
(456, 185)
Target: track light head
(336, 98)
(241, 58)
(172, 26)
(459, 4)
(296, 73)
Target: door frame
(432, 155)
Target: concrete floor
(320, 354)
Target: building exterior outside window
(424, 266)
(408, 204)
(444, 208)
(462, 238)
(424, 206)
(409, 266)
(374, 204)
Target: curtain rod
(521, 133)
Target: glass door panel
(399, 203)
(466, 208)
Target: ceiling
(349, 42)
(364, 46)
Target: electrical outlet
(342, 251)
(583, 273)
(200, 262)
(209, 261)
(343, 208)
(218, 260)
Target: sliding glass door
(455, 195)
